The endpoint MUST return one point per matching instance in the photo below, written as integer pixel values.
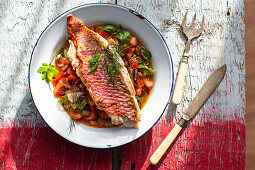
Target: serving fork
(190, 32)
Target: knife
(210, 85)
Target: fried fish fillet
(118, 99)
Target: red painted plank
(42, 148)
(214, 145)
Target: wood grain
(222, 41)
(219, 123)
(250, 83)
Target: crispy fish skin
(117, 100)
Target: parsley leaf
(148, 71)
(94, 62)
(146, 54)
(124, 36)
(109, 28)
(47, 71)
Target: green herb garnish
(47, 71)
(123, 35)
(94, 62)
(72, 123)
(109, 28)
(146, 54)
(63, 87)
(111, 61)
(81, 105)
(63, 99)
(120, 49)
(142, 62)
(148, 71)
(139, 100)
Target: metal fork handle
(180, 81)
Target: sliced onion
(148, 82)
(135, 75)
(65, 53)
(131, 72)
(73, 95)
(64, 67)
(60, 65)
(139, 92)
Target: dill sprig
(64, 101)
(79, 104)
(120, 49)
(111, 62)
(72, 123)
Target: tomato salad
(71, 92)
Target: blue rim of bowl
(134, 13)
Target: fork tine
(193, 20)
(184, 20)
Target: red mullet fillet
(118, 99)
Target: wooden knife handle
(165, 144)
(180, 81)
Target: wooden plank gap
(116, 158)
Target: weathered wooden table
(214, 140)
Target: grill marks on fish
(116, 100)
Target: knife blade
(209, 86)
(204, 93)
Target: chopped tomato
(71, 79)
(140, 83)
(129, 50)
(76, 115)
(58, 88)
(59, 75)
(66, 83)
(70, 71)
(54, 81)
(133, 41)
(134, 63)
(62, 61)
(104, 33)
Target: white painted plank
(221, 42)
(21, 23)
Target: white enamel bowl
(53, 37)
